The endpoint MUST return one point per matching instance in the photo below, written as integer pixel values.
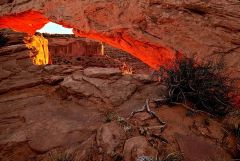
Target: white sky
(54, 28)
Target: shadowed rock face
(151, 30)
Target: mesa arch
(151, 30)
(30, 21)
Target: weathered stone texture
(151, 30)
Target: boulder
(109, 137)
(137, 147)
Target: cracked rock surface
(53, 110)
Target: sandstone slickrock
(101, 72)
(79, 88)
(110, 136)
(55, 110)
(4, 74)
(113, 91)
(39, 117)
(151, 30)
(24, 80)
(143, 78)
(13, 49)
(196, 149)
(136, 147)
(13, 37)
(53, 80)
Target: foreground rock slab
(197, 149)
(56, 111)
(137, 147)
(102, 72)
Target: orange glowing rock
(126, 69)
(27, 22)
(102, 49)
(153, 55)
(150, 54)
(39, 49)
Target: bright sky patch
(53, 28)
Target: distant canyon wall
(154, 31)
(73, 47)
(42, 49)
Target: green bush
(204, 85)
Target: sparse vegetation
(3, 40)
(110, 116)
(237, 130)
(47, 35)
(173, 157)
(144, 158)
(124, 124)
(205, 85)
(169, 157)
(62, 157)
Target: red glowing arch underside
(153, 55)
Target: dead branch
(147, 109)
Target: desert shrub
(63, 157)
(173, 157)
(204, 85)
(237, 130)
(169, 157)
(3, 40)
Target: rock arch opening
(153, 55)
(54, 28)
(67, 103)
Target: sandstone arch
(152, 30)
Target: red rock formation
(28, 21)
(152, 55)
(151, 30)
(73, 47)
(39, 49)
